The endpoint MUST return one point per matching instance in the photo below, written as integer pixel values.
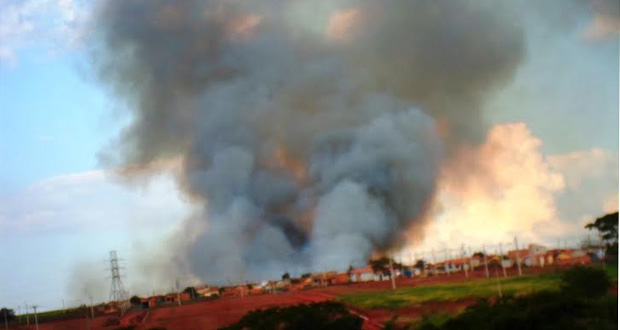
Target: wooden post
(445, 263)
(486, 264)
(392, 274)
(434, 262)
(463, 255)
(518, 257)
(499, 285)
(501, 259)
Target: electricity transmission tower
(117, 291)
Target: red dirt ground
(210, 315)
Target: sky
(61, 210)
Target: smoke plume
(311, 132)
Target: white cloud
(591, 184)
(69, 222)
(92, 201)
(515, 190)
(54, 25)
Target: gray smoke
(305, 152)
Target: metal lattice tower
(117, 291)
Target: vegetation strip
(453, 291)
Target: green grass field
(58, 314)
(452, 292)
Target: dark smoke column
(303, 152)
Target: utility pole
(470, 253)
(392, 274)
(499, 285)
(464, 265)
(92, 311)
(178, 293)
(445, 263)
(6, 323)
(19, 314)
(36, 321)
(27, 316)
(501, 259)
(434, 262)
(486, 264)
(518, 256)
(63, 306)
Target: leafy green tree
(7, 313)
(135, 301)
(382, 265)
(192, 291)
(286, 276)
(607, 226)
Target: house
(330, 278)
(575, 260)
(153, 301)
(572, 257)
(256, 291)
(363, 274)
(518, 255)
(534, 255)
(208, 292)
(439, 268)
(172, 298)
(476, 261)
(457, 265)
(337, 278)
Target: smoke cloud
(311, 132)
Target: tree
(8, 313)
(607, 226)
(420, 264)
(286, 276)
(382, 265)
(192, 292)
(479, 254)
(135, 301)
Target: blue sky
(60, 211)
(51, 119)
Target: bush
(581, 304)
(586, 281)
(135, 301)
(324, 315)
(544, 310)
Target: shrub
(135, 301)
(324, 315)
(586, 281)
(581, 305)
